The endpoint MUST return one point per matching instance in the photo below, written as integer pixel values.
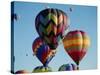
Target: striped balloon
(50, 25)
(42, 69)
(42, 51)
(76, 44)
(68, 67)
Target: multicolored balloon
(42, 69)
(42, 51)
(21, 72)
(50, 25)
(68, 67)
(76, 44)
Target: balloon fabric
(76, 44)
(50, 25)
(42, 51)
(68, 67)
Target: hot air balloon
(14, 16)
(42, 51)
(50, 25)
(70, 9)
(42, 69)
(76, 44)
(68, 67)
(21, 72)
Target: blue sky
(82, 18)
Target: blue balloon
(68, 67)
(43, 51)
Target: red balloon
(21, 72)
(76, 44)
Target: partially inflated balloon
(42, 69)
(68, 67)
(21, 72)
(43, 51)
(51, 24)
(76, 44)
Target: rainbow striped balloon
(76, 44)
(50, 25)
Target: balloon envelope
(76, 44)
(51, 24)
(42, 51)
(68, 67)
(21, 72)
(42, 69)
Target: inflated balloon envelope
(43, 51)
(68, 67)
(51, 24)
(48, 37)
(76, 44)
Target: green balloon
(41, 69)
